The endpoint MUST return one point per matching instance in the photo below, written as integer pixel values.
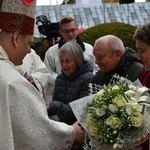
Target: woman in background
(142, 38)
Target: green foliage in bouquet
(115, 115)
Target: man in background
(113, 58)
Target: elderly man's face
(143, 53)
(105, 58)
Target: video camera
(49, 29)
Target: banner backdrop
(83, 3)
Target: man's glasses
(68, 31)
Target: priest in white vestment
(24, 123)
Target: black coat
(127, 67)
(68, 89)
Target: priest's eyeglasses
(68, 31)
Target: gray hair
(74, 50)
(113, 42)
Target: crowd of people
(26, 120)
(68, 32)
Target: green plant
(42, 48)
(123, 31)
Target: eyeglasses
(68, 31)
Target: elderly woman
(72, 83)
(142, 38)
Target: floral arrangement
(115, 115)
(115, 112)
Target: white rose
(128, 111)
(115, 87)
(114, 122)
(137, 119)
(113, 108)
(100, 93)
(119, 100)
(100, 112)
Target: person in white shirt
(35, 71)
(68, 32)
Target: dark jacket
(127, 67)
(68, 89)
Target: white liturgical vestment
(24, 124)
(34, 66)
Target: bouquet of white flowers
(117, 116)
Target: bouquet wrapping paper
(117, 116)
